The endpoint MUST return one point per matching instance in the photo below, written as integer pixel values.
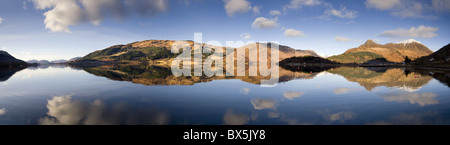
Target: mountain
(356, 57)
(440, 57)
(75, 58)
(394, 52)
(307, 59)
(159, 51)
(39, 61)
(8, 61)
(284, 51)
(48, 62)
(59, 61)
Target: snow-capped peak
(409, 41)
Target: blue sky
(63, 29)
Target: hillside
(8, 61)
(306, 59)
(440, 57)
(356, 57)
(394, 52)
(284, 51)
(158, 51)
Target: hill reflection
(407, 79)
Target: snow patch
(409, 41)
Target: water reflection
(370, 78)
(340, 117)
(264, 103)
(389, 77)
(2, 111)
(412, 119)
(320, 95)
(245, 91)
(233, 118)
(293, 95)
(5, 74)
(154, 75)
(422, 99)
(63, 111)
(339, 91)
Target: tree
(407, 60)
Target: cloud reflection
(260, 104)
(293, 95)
(339, 116)
(413, 98)
(2, 111)
(338, 91)
(63, 111)
(232, 118)
(245, 91)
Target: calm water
(151, 95)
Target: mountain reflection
(370, 78)
(63, 111)
(407, 79)
(5, 74)
(154, 75)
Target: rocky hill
(394, 52)
(440, 57)
(8, 61)
(356, 57)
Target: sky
(63, 29)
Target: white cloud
(441, 5)
(1, 20)
(382, 4)
(293, 95)
(264, 23)
(236, 6)
(2, 111)
(293, 33)
(255, 10)
(342, 39)
(245, 36)
(409, 8)
(329, 10)
(297, 4)
(413, 32)
(342, 13)
(24, 5)
(61, 14)
(275, 12)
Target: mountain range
(52, 62)
(158, 51)
(394, 52)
